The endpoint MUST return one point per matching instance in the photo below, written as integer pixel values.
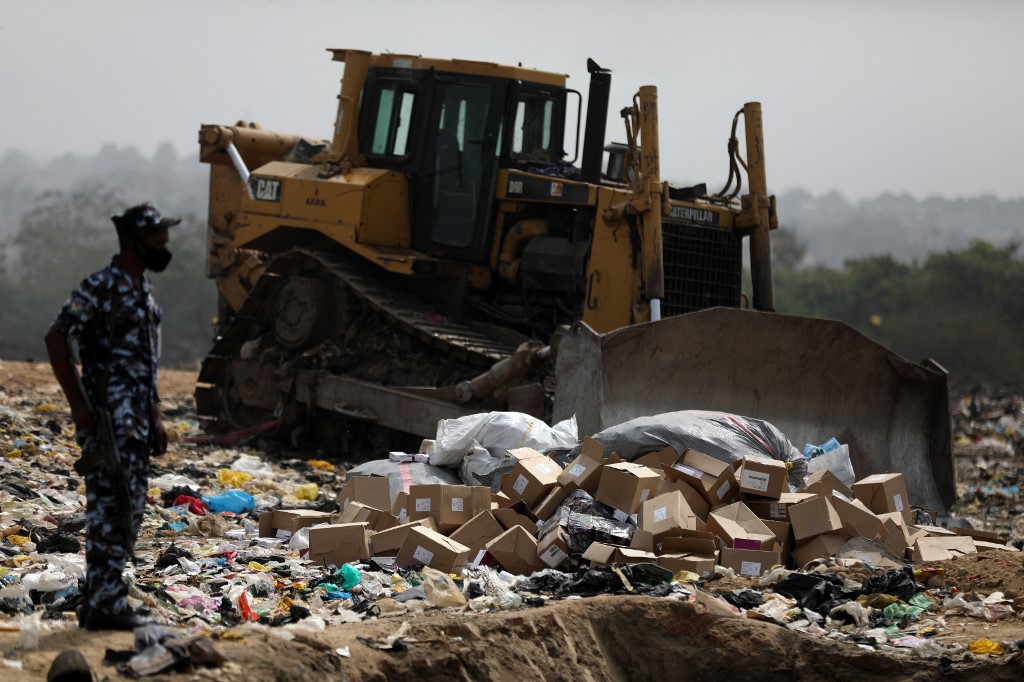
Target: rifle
(105, 453)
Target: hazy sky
(865, 96)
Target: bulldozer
(452, 249)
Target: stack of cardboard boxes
(691, 512)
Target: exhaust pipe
(597, 120)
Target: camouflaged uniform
(132, 399)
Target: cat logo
(556, 189)
(266, 190)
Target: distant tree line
(68, 235)
(961, 308)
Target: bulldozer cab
(447, 133)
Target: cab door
(454, 189)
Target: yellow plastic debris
(307, 491)
(321, 464)
(18, 540)
(877, 601)
(685, 577)
(986, 646)
(46, 407)
(234, 479)
(14, 454)
(257, 566)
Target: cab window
(393, 122)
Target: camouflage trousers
(106, 544)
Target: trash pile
(499, 512)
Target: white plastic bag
(838, 462)
(497, 432)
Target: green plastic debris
(350, 576)
(921, 601)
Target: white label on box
(553, 556)
(723, 490)
(283, 534)
(422, 504)
(521, 484)
(457, 504)
(479, 557)
(898, 501)
(423, 555)
(620, 515)
(645, 494)
(660, 514)
(777, 510)
(403, 515)
(750, 568)
(754, 480)
(690, 471)
(543, 469)
(577, 471)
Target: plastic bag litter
(497, 432)
(837, 461)
(860, 615)
(986, 646)
(252, 465)
(171, 481)
(441, 590)
(399, 474)
(726, 437)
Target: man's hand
(161, 437)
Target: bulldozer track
(377, 289)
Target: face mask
(155, 259)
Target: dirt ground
(597, 638)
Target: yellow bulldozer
(449, 251)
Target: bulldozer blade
(812, 378)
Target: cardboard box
(985, 545)
(763, 477)
(373, 491)
(895, 538)
(784, 541)
(941, 548)
(701, 564)
(883, 493)
(642, 540)
(339, 544)
(858, 520)
(737, 527)
(749, 561)
(820, 546)
(388, 542)
(530, 480)
(399, 506)
(626, 486)
(698, 505)
(449, 505)
(659, 459)
(357, 512)
(283, 523)
(516, 551)
(524, 453)
(815, 516)
(777, 510)
(510, 518)
(429, 548)
(987, 535)
(690, 542)
(583, 472)
(600, 554)
(553, 548)
(713, 479)
(477, 532)
(549, 504)
(666, 513)
(825, 483)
